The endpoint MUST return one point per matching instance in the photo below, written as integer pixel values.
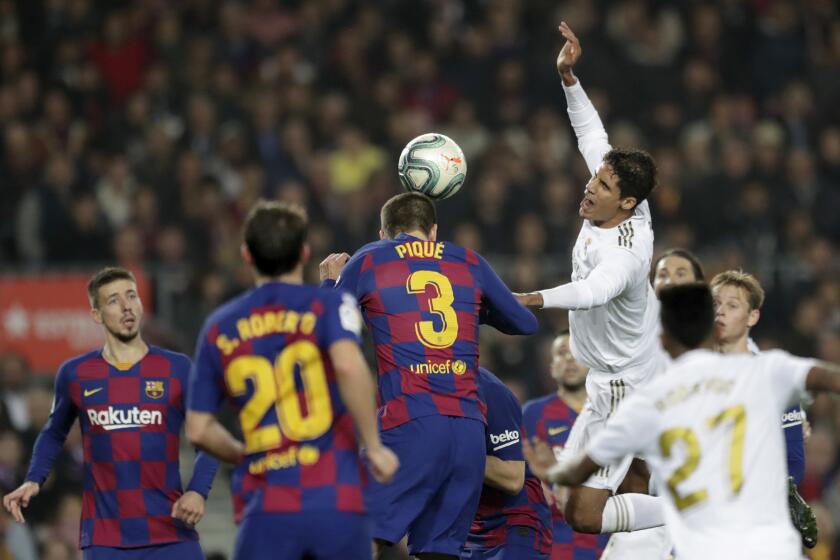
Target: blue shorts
(520, 544)
(316, 535)
(185, 550)
(435, 493)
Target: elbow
(528, 324)
(195, 430)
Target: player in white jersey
(709, 431)
(613, 316)
(675, 267)
(738, 297)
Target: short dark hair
(636, 172)
(103, 278)
(407, 212)
(274, 234)
(687, 255)
(688, 313)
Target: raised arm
(591, 135)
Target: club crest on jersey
(154, 389)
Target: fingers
(14, 509)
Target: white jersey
(621, 333)
(709, 431)
(613, 313)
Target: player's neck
(119, 353)
(620, 216)
(293, 277)
(416, 233)
(738, 346)
(574, 399)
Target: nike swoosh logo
(555, 431)
(92, 391)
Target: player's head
(623, 180)
(738, 298)
(275, 238)
(688, 317)
(565, 370)
(676, 266)
(406, 213)
(115, 302)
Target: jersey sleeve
(631, 431)
(787, 377)
(51, 439)
(205, 389)
(504, 418)
(499, 308)
(530, 417)
(794, 443)
(610, 277)
(342, 319)
(593, 142)
(205, 466)
(348, 280)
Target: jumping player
(423, 300)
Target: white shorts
(604, 393)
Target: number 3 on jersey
(441, 305)
(274, 385)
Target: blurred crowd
(140, 132)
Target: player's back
(718, 452)
(272, 344)
(621, 333)
(421, 300)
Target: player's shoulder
(177, 359)
(491, 386)
(70, 367)
(538, 404)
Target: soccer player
(129, 398)
(674, 267)
(738, 298)
(709, 432)
(513, 521)
(612, 307)
(287, 356)
(423, 300)
(550, 419)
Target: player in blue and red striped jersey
(550, 419)
(423, 300)
(287, 356)
(129, 398)
(513, 520)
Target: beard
(574, 387)
(124, 337)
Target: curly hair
(636, 172)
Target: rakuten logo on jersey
(117, 419)
(508, 437)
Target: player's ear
(433, 233)
(628, 203)
(245, 254)
(753, 317)
(305, 253)
(382, 235)
(96, 314)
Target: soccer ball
(432, 164)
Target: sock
(631, 512)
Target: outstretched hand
(539, 455)
(569, 54)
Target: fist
(331, 267)
(189, 508)
(383, 464)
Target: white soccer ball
(433, 164)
